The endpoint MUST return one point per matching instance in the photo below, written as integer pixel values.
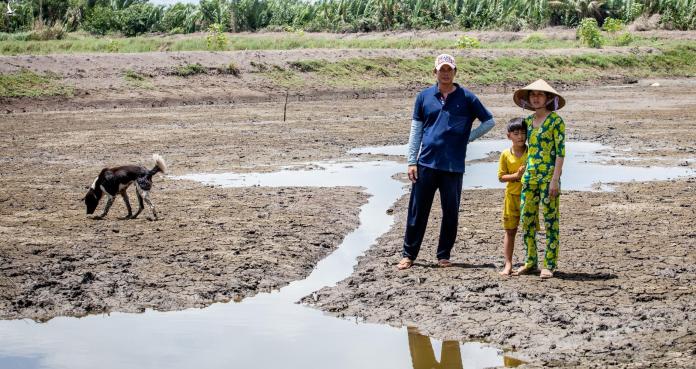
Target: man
(440, 130)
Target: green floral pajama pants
(533, 196)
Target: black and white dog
(115, 181)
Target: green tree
(100, 20)
(139, 18)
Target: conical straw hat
(521, 99)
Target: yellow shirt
(509, 164)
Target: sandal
(404, 263)
(525, 270)
(546, 274)
(444, 263)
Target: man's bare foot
(444, 263)
(507, 270)
(404, 263)
(546, 274)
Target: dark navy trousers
(422, 194)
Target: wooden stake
(285, 108)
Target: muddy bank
(624, 294)
(211, 245)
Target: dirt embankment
(99, 81)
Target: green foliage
(362, 72)
(112, 46)
(139, 18)
(29, 84)
(535, 38)
(136, 79)
(216, 40)
(306, 65)
(134, 17)
(589, 34)
(101, 20)
(181, 18)
(131, 75)
(612, 25)
(679, 14)
(45, 33)
(189, 70)
(624, 39)
(22, 20)
(216, 12)
(468, 42)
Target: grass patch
(77, 42)
(366, 72)
(29, 84)
(189, 70)
(138, 80)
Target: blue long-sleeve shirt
(442, 128)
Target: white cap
(443, 59)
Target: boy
(510, 169)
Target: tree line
(134, 17)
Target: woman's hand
(554, 188)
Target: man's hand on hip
(413, 173)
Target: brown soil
(624, 294)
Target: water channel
(270, 330)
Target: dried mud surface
(624, 295)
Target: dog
(115, 181)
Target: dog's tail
(160, 165)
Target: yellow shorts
(511, 211)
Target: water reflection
(453, 354)
(423, 356)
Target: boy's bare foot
(507, 270)
(546, 274)
(404, 263)
(525, 270)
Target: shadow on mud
(579, 276)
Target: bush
(139, 18)
(181, 18)
(612, 25)
(589, 34)
(535, 38)
(112, 46)
(233, 69)
(189, 70)
(43, 33)
(624, 39)
(468, 42)
(679, 16)
(100, 20)
(131, 75)
(216, 40)
(306, 65)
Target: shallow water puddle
(582, 170)
(270, 330)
